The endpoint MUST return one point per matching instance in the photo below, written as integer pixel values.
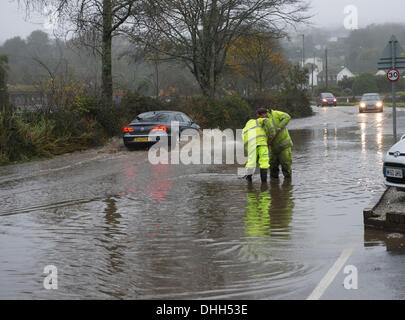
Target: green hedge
(293, 101)
(15, 142)
(229, 112)
(85, 123)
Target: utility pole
(303, 51)
(393, 59)
(394, 94)
(326, 67)
(312, 78)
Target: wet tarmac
(118, 227)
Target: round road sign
(393, 75)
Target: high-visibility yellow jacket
(254, 133)
(278, 119)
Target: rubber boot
(263, 175)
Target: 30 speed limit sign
(393, 75)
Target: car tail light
(159, 128)
(128, 129)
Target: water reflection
(113, 232)
(257, 220)
(281, 209)
(269, 210)
(363, 132)
(327, 132)
(160, 185)
(268, 215)
(379, 135)
(394, 242)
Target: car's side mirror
(403, 137)
(194, 121)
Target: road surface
(117, 227)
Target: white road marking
(330, 276)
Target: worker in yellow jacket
(280, 143)
(256, 145)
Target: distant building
(26, 97)
(334, 75)
(313, 74)
(345, 72)
(318, 62)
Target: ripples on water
(117, 227)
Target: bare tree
(200, 32)
(3, 83)
(257, 57)
(93, 23)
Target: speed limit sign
(393, 75)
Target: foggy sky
(330, 12)
(13, 21)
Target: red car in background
(326, 99)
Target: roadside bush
(228, 112)
(15, 142)
(265, 99)
(85, 123)
(293, 97)
(400, 97)
(133, 104)
(365, 83)
(202, 109)
(235, 110)
(337, 91)
(295, 102)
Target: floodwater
(118, 227)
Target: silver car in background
(371, 102)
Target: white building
(334, 75)
(318, 66)
(318, 62)
(345, 72)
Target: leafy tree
(258, 58)
(346, 83)
(383, 84)
(16, 51)
(364, 83)
(293, 97)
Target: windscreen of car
(153, 117)
(327, 95)
(371, 97)
(185, 118)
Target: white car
(394, 165)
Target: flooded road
(117, 227)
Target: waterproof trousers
(282, 158)
(260, 155)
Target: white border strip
(330, 276)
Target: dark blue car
(150, 127)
